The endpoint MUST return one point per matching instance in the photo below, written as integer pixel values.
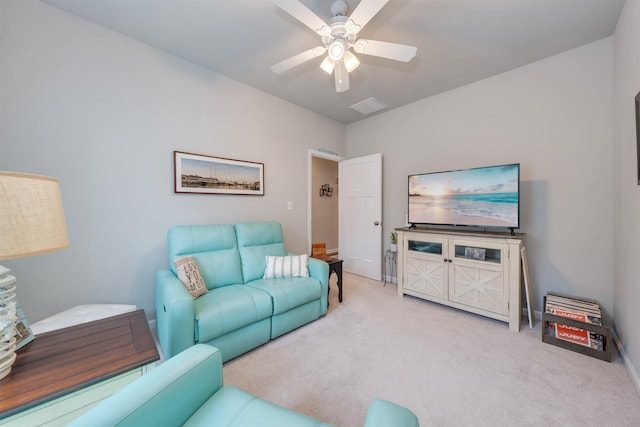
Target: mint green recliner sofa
(241, 310)
(187, 390)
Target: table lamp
(31, 223)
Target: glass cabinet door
(434, 248)
(477, 275)
(425, 271)
(477, 251)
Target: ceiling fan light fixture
(327, 65)
(341, 77)
(350, 61)
(339, 35)
(319, 50)
(339, 8)
(324, 31)
(360, 46)
(351, 27)
(337, 49)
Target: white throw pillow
(286, 266)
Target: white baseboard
(635, 378)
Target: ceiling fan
(340, 35)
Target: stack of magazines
(586, 311)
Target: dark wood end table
(73, 363)
(335, 266)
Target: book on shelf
(573, 301)
(575, 309)
(573, 304)
(572, 334)
(586, 316)
(575, 335)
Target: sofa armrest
(319, 269)
(175, 314)
(383, 413)
(168, 395)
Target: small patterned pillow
(286, 266)
(190, 276)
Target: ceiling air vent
(369, 105)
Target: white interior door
(361, 215)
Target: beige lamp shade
(31, 215)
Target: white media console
(477, 272)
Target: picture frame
(475, 253)
(637, 103)
(203, 174)
(326, 190)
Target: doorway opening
(323, 209)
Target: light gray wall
(104, 113)
(626, 296)
(554, 117)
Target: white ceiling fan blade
(398, 52)
(298, 59)
(366, 10)
(341, 76)
(303, 14)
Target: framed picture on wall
(198, 173)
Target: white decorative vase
(393, 247)
(7, 322)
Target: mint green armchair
(187, 390)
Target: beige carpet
(450, 367)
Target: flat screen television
(482, 197)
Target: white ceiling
(458, 41)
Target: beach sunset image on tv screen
(486, 197)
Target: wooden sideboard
(472, 271)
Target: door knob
(376, 223)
